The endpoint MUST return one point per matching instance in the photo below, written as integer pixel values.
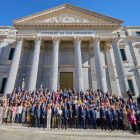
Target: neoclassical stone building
(70, 47)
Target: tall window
(123, 55)
(11, 53)
(130, 85)
(3, 85)
(138, 33)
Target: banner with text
(67, 33)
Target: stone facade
(95, 59)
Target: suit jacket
(32, 110)
(131, 120)
(83, 113)
(115, 115)
(137, 117)
(44, 112)
(109, 116)
(120, 114)
(88, 113)
(65, 113)
(76, 112)
(38, 112)
(103, 113)
(54, 112)
(93, 114)
(70, 113)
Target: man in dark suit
(94, 118)
(103, 117)
(70, 117)
(130, 95)
(76, 116)
(88, 117)
(37, 116)
(44, 114)
(32, 112)
(120, 119)
(115, 118)
(54, 115)
(109, 118)
(138, 119)
(83, 115)
(65, 117)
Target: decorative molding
(129, 76)
(115, 40)
(68, 18)
(122, 45)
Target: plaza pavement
(22, 132)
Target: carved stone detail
(67, 18)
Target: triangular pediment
(68, 15)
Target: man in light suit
(65, 117)
(109, 118)
(93, 117)
(83, 115)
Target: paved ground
(18, 132)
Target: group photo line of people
(69, 109)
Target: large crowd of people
(67, 108)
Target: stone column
(98, 63)
(78, 64)
(14, 67)
(2, 44)
(120, 68)
(112, 78)
(54, 65)
(34, 64)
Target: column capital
(96, 39)
(19, 40)
(115, 40)
(56, 40)
(77, 40)
(37, 39)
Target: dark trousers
(115, 124)
(38, 121)
(94, 123)
(130, 97)
(19, 117)
(134, 127)
(76, 122)
(88, 122)
(31, 121)
(82, 122)
(103, 123)
(98, 122)
(65, 122)
(43, 122)
(70, 122)
(121, 126)
(110, 124)
(138, 124)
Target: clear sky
(126, 10)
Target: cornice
(42, 26)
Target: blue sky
(126, 10)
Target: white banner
(67, 33)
